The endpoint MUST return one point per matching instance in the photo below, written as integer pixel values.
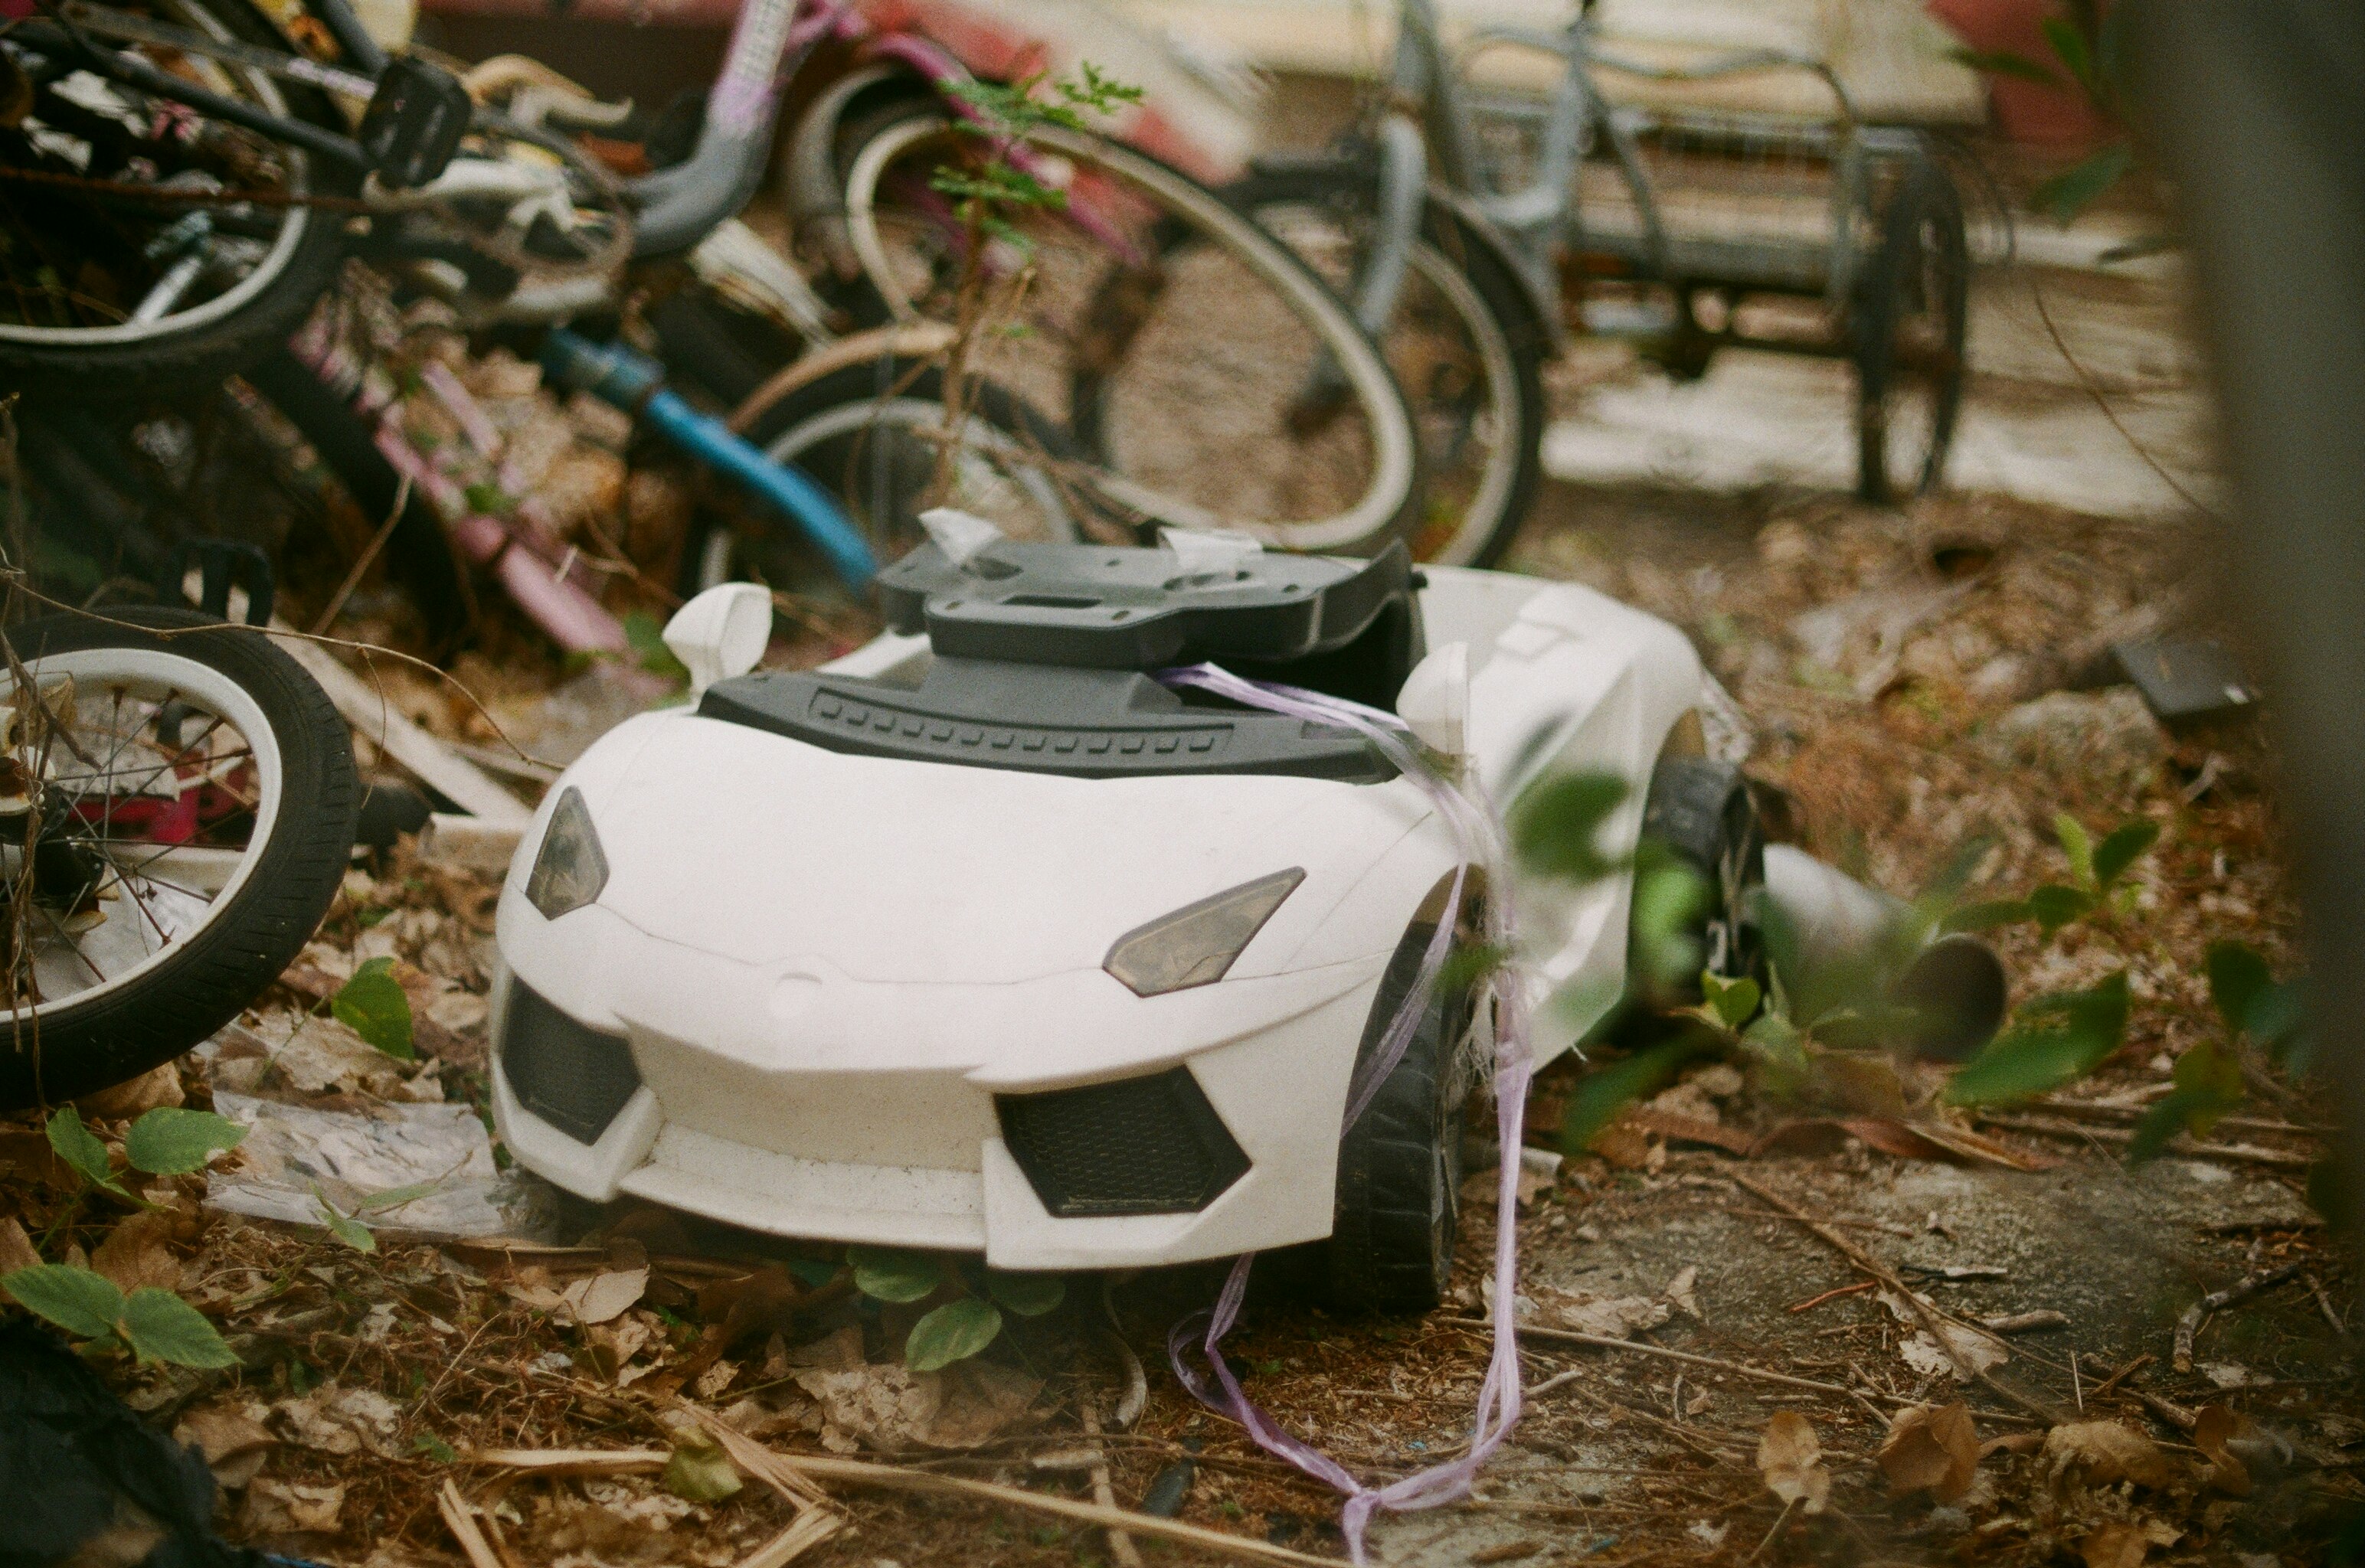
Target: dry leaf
(1973, 1349)
(1682, 1292)
(233, 1442)
(714, 1379)
(128, 1101)
(284, 1507)
(2104, 1453)
(1612, 1317)
(16, 1250)
(136, 1253)
(892, 1409)
(1790, 1457)
(598, 1298)
(2213, 1428)
(339, 1420)
(2115, 1545)
(1932, 1449)
(1622, 1146)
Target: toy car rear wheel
(1391, 1247)
(1701, 812)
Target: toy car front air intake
(570, 1074)
(1139, 1146)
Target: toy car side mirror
(722, 632)
(1435, 702)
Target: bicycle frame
(1542, 215)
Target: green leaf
(77, 1300)
(1730, 1002)
(2069, 46)
(171, 1140)
(2276, 1019)
(889, 1273)
(2208, 1081)
(386, 1198)
(701, 1472)
(373, 1005)
(2122, 847)
(2078, 848)
(161, 1326)
(2071, 191)
(1029, 1295)
(2004, 62)
(490, 498)
(81, 1149)
(1668, 898)
(2032, 1057)
(343, 1226)
(1779, 1050)
(1556, 824)
(434, 1447)
(1953, 874)
(2055, 906)
(1988, 915)
(953, 1332)
(2239, 977)
(1601, 1097)
(644, 634)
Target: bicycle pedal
(414, 121)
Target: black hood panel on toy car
(1086, 723)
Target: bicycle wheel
(1163, 330)
(870, 433)
(112, 279)
(1909, 325)
(176, 807)
(1463, 343)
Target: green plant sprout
(970, 1301)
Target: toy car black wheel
(178, 808)
(1391, 1247)
(1701, 813)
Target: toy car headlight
(570, 871)
(1197, 943)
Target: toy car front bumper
(800, 1102)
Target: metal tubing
(1956, 984)
(1404, 180)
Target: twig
(462, 1526)
(2200, 1311)
(2316, 1288)
(2095, 1111)
(368, 555)
(2183, 1143)
(2102, 402)
(1812, 1302)
(2112, 1382)
(781, 1469)
(1640, 1348)
(1779, 1520)
(1940, 1324)
(1121, 1548)
(806, 1531)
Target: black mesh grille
(573, 1077)
(1142, 1146)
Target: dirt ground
(1912, 680)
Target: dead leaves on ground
(1932, 1449)
(1790, 1458)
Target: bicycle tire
(835, 412)
(1183, 439)
(1460, 275)
(102, 364)
(59, 1051)
(1922, 269)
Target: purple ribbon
(1464, 808)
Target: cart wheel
(1391, 1247)
(1701, 812)
(1911, 312)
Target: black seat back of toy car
(1348, 627)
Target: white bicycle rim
(1393, 466)
(163, 895)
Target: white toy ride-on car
(982, 939)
